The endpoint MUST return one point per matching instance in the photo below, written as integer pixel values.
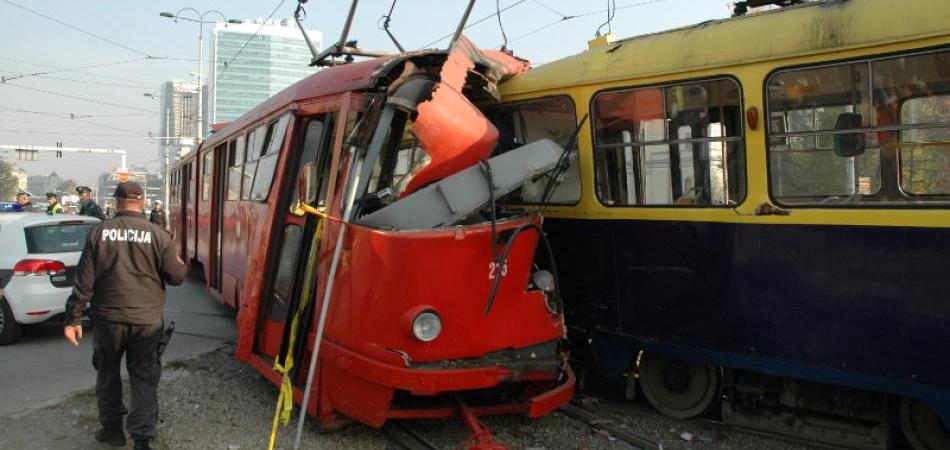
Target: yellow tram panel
(744, 49)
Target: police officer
(89, 206)
(54, 206)
(23, 199)
(157, 216)
(123, 270)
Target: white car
(38, 258)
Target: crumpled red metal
(451, 129)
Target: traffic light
(59, 154)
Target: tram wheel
(923, 428)
(679, 388)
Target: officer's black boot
(111, 435)
(141, 444)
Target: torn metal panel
(449, 127)
(456, 197)
(504, 64)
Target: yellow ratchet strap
(285, 399)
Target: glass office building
(246, 68)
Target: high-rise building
(179, 110)
(253, 61)
(178, 121)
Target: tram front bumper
(430, 382)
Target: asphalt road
(42, 367)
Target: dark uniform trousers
(139, 343)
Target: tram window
(255, 140)
(400, 156)
(521, 123)
(901, 107)
(270, 152)
(235, 168)
(286, 268)
(206, 167)
(677, 145)
(925, 153)
(315, 151)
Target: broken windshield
(522, 123)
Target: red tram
(407, 325)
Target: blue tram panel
(769, 202)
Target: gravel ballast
(215, 402)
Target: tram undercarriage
(798, 410)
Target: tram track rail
(597, 422)
(404, 435)
(725, 428)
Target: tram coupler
(481, 438)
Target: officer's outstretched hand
(73, 334)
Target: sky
(135, 51)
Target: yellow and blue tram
(757, 221)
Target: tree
(8, 181)
(67, 186)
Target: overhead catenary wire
(74, 27)
(73, 127)
(611, 12)
(581, 15)
(77, 80)
(472, 24)
(67, 121)
(74, 69)
(504, 46)
(82, 71)
(77, 97)
(386, 19)
(545, 6)
(72, 115)
(58, 133)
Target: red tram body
(232, 209)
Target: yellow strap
(285, 399)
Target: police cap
(50, 195)
(19, 193)
(129, 190)
(82, 189)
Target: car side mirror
(849, 144)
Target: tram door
(294, 241)
(185, 186)
(217, 213)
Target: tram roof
(788, 32)
(334, 80)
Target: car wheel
(9, 329)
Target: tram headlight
(427, 326)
